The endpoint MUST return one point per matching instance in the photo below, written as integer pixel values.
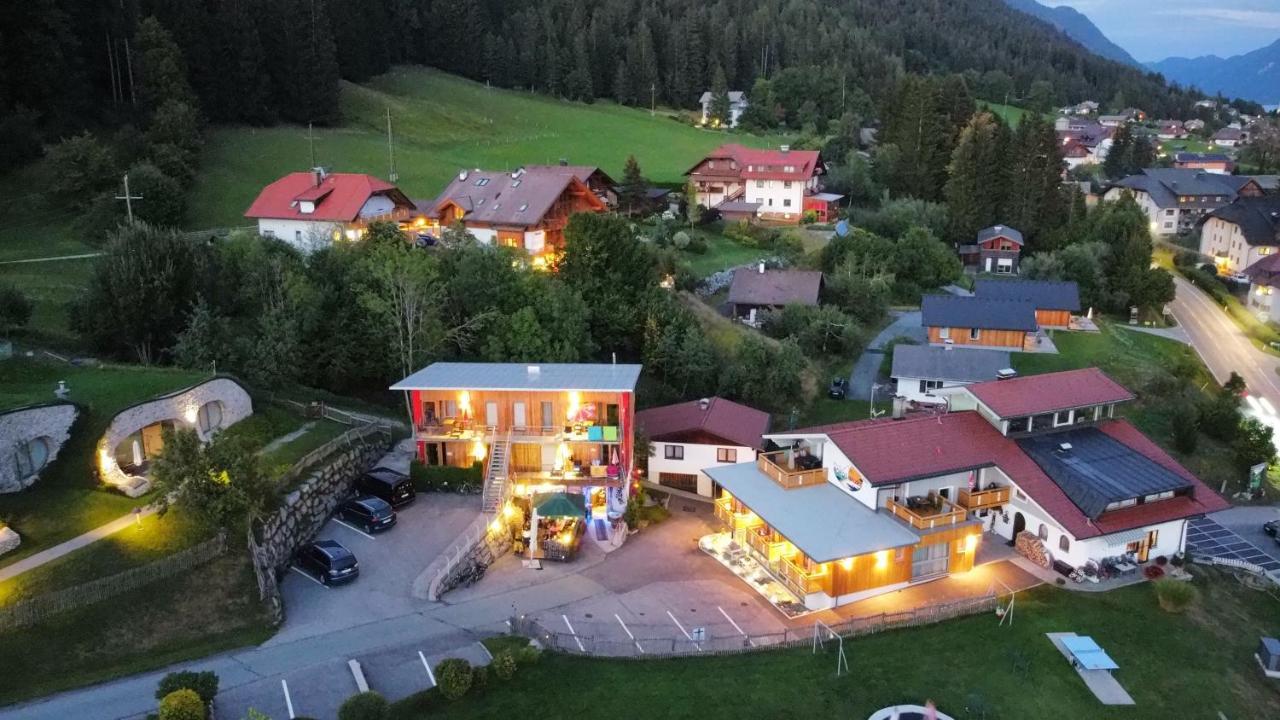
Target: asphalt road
(1222, 344)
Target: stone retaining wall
(306, 509)
(181, 407)
(48, 424)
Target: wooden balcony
(983, 499)
(938, 513)
(798, 580)
(775, 465)
(769, 550)
(735, 520)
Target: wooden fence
(37, 609)
(648, 642)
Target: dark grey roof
(1098, 469)
(976, 312)
(740, 206)
(944, 363)
(518, 199)
(522, 376)
(1043, 294)
(996, 231)
(1166, 185)
(1257, 217)
(1200, 157)
(775, 287)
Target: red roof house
(689, 437)
(775, 185)
(317, 207)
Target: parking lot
(1236, 534)
(390, 561)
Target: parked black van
(373, 514)
(328, 562)
(387, 484)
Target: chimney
(317, 175)
(786, 148)
(761, 266)
(462, 175)
(704, 403)
(899, 407)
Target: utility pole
(128, 198)
(842, 75)
(653, 102)
(128, 61)
(111, 72)
(391, 149)
(311, 143)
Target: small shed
(1269, 655)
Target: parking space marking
(430, 675)
(353, 528)
(750, 642)
(574, 633)
(628, 632)
(305, 575)
(686, 632)
(288, 701)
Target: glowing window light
(882, 559)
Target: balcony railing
(775, 465)
(983, 499)
(452, 429)
(735, 520)
(798, 580)
(935, 512)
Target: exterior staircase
(495, 476)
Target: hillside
(443, 123)
(1077, 26)
(1253, 75)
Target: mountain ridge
(1077, 26)
(1254, 75)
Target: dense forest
(65, 65)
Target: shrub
(364, 706)
(445, 478)
(680, 240)
(15, 309)
(479, 677)
(1176, 561)
(1174, 595)
(182, 704)
(1161, 560)
(454, 675)
(1153, 572)
(504, 665)
(1186, 430)
(205, 684)
(697, 245)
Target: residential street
(1222, 344)
(906, 324)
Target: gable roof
(725, 419)
(337, 198)
(767, 164)
(944, 363)
(1257, 217)
(1033, 394)
(518, 199)
(522, 376)
(977, 312)
(582, 172)
(735, 96)
(1266, 271)
(1166, 185)
(775, 287)
(1003, 231)
(1042, 294)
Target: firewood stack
(1031, 548)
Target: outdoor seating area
(741, 562)
(555, 525)
(926, 511)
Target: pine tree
(632, 191)
(719, 114)
(971, 204)
(161, 70)
(622, 85)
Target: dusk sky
(1188, 28)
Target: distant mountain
(1253, 76)
(1078, 27)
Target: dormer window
(306, 207)
(1062, 417)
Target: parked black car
(1270, 527)
(371, 514)
(387, 484)
(838, 388)
(328, 562)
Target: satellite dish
(842, 228)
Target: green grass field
(441, 124)
(1011, 114)
(1193, 665)
(64, 502)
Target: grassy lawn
(32, 226)
(1011, 114)
(64, 502)
(51, 286)
(1196, 145)
(722, 253)
(443, 123)
(318, 432)
(1192, 665)
(152, 539)
(1130, 357)
(208, 609)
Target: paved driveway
(389, 564)
(864, 373)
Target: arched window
(1043, 532)
(1064, 544)
(209, 418)
(31, 457)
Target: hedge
(445, 478)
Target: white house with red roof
(687, 438)
(311, 209)
(774, 185)
(846, 511)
